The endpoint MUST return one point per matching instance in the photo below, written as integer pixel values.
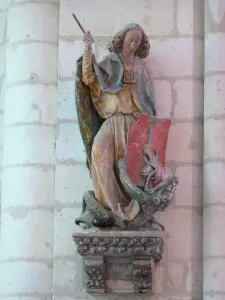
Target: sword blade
(78, 23)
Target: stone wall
(43, 166)
(175, 29)
(214, 157)
(3, 26)
(28, 165)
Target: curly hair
(117, 41)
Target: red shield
(146, 136)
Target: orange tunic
(110, 142)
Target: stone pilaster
(214, 154)
(3, 23)
(28, 154)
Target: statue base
(119, 262)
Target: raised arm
(88, 75)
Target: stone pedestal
(119, 261)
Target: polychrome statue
(125, 142)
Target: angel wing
(88, 119)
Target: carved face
(132, 41)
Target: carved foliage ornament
(114, 246)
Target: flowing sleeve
(88, 74)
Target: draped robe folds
(105, 106)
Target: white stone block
(30, 103)
(214, 188)
(194, 280)
(69, 52)
(190, 16)
(216, 9)
(70, 184)
(184, 232)
(172, 57)
(214, 296)
(214, 99)
(4, 4)
(27, 186)
(31, 230)
(185, 143)
(163, 98)
(69, 144)
(189, 189)
(214, 43)
(3, 20)
(2, 60)
(198, 58)
(68, 279)
(2, 95)
(29, 144)
(214, 275)
(24, 277)
(66, 109)
(28, 298)
(63, 229)
(189, 99)
(32, 63)
(1, 128)
(66, 298)
(158, 279)
(172, 297)
(214, 221)
(175, 277)
(54, 2)
(114, 15)
(169, 279)
(185, 20)
(1, 151)
(34, 21)
(214, 131)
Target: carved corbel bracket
(132, 251)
